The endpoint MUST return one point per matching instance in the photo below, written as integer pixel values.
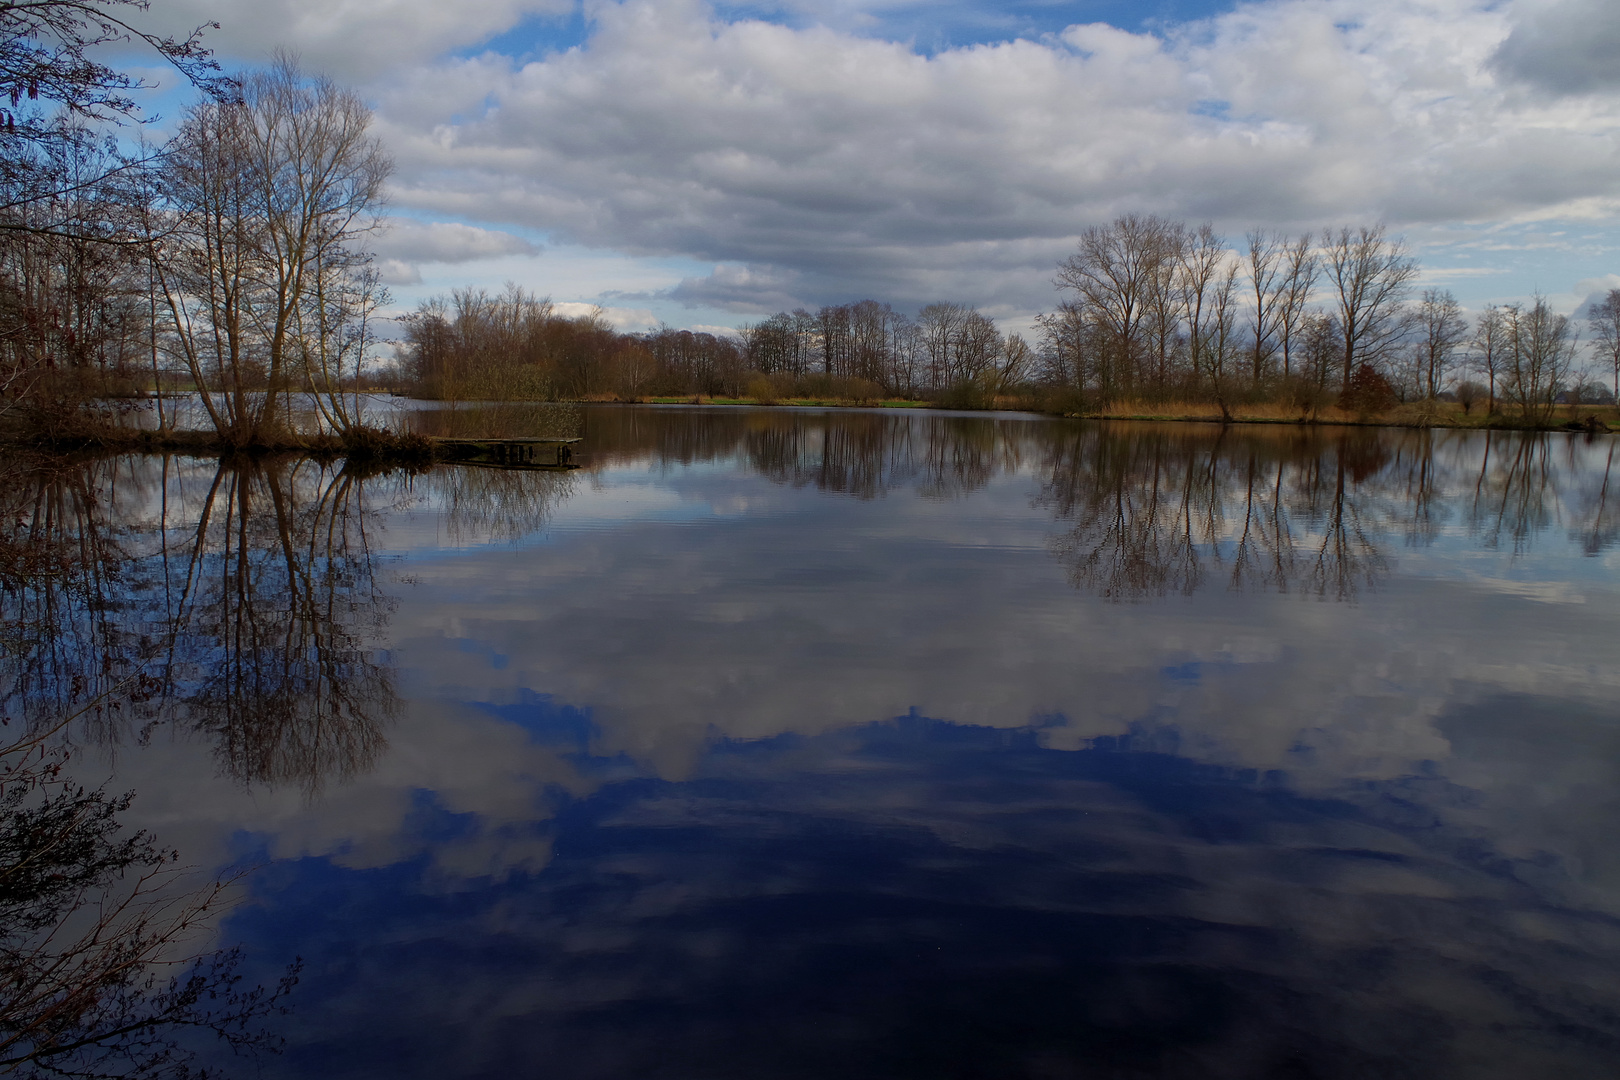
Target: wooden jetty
(517, 453)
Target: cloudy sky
(706, 164)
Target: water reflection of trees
(859, 453)
(93, 919)
(1523, 486)
(870, 454)
(1152, 511)
(1597, 523)
(275, 615)
(480, 504)
(240, 600)
(64, 593)
(1148, 512)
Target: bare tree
(1604, 322)
(1115, 272)
(960, 344)
(1540, 356)
(58, 88)
(1221, 341)
(1267, 265)
(270, 198)
(1013, 360)
(1468, 394)
(1299, 276)
(1371, 276)
(872, 327)
(1164, 309)
(1488, 350)
(1065, 349)
(1199, 278)
(836, 339)
(1442, 330)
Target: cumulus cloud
(352, 39)
(816, 164)
(1595, 291)
(1566, 46)
(827, 160)
(739, 288)
(446, 242)
(404, 244)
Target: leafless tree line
(948, 350)
(233, 260)
(1151, 310)
(1154, 309)
(471, 345)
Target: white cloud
(1593, 291)
(445, 242)
(808, 163)
(403, 245)
(398, 272)
(351, 39)
(812, 164)
(1566, 46)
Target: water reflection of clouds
(770, 631)
(919, 898)
(1445, 740)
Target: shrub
(763, 390)
(1468, 393)
(1368, 392)
(1307, 395)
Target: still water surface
(800, 744)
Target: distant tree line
(472, 344)
(1150, 310)
(1155, 310)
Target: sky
(708, 164)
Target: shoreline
(391, 449)
(1606, 416)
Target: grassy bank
(1435, 414)
(821, 402)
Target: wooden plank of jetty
(510, 453)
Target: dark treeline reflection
(243, 600)
(1147, 513)
(480, 504)
(238, 600)
(852, 452)
(1151, 510)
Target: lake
(799, 743)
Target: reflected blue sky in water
(716, 759)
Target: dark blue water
(872, 745)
